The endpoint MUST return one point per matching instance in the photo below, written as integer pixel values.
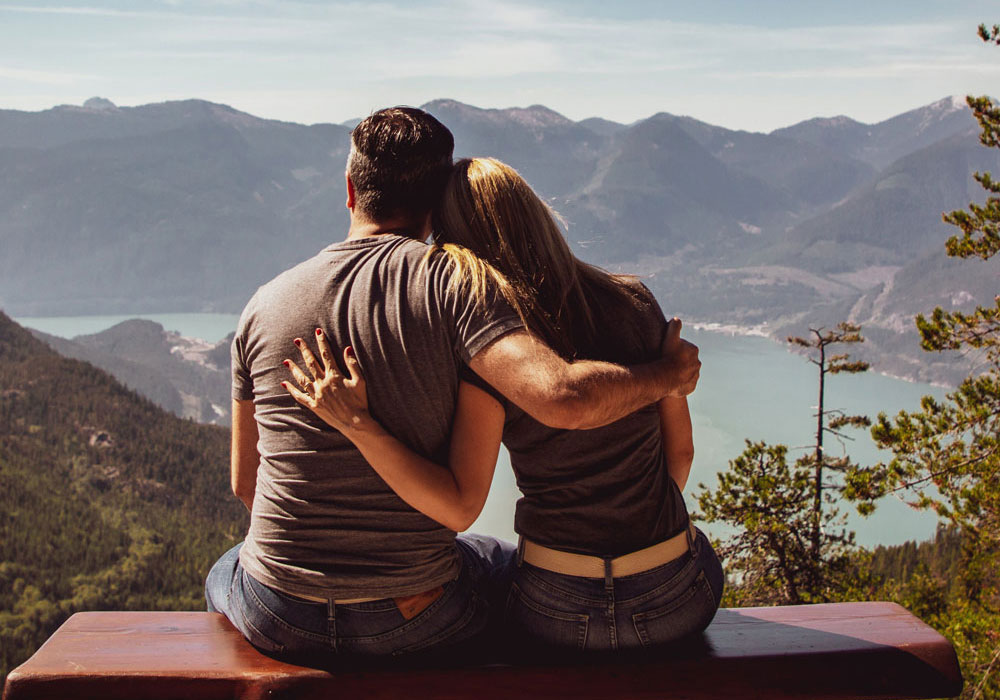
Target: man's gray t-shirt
(323, 523)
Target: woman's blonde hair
(498, 233)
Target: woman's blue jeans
(315, 634)
(654, 607)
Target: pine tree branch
(975, 459)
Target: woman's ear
(428, 227)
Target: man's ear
(350, 192)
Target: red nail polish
(319, 332)
(284, 385)
(298, 342)
(285, 363)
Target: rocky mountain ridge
(186, 376)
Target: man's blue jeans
(316, 634)
(654, 607)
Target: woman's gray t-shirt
(604, 491)
(323, 523)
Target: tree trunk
(818, 484)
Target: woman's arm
(678, 443)
(244, 460)
(675, 418)
(452, 496)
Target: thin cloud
(879, 71)
(44, 77)
(452, 38)
(92, 11)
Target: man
(334, 562)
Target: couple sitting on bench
(363, 452)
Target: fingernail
(284, 385)
(319, 332)
(285, 363)
(298, 342)
(350, 350)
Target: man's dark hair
(399, 163)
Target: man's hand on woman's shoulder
(682, 356)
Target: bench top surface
(874, 650)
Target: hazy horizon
(753, 66)
(956, 98)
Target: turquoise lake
(750, 388)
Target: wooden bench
(846, 650)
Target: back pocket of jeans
(471, 622)
(256, 637)
(685, 614)
(529, 618)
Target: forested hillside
(938, 558)
(106, 501)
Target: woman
(608, 559)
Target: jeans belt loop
(588, 566)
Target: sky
(743, 64)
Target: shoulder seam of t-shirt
(368, 242)
(487, 335)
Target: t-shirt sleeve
(466, 374)
(476, 324)
(242, 389)
(653, 324)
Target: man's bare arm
(244, 458)
(586, 393)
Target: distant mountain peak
(101, 104)
(601, 126)
(944, 111)
(952, 103)
(538, 115)
(841, 121)
(531, 116)
(232, 116)
(446, 103)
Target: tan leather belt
(345, 601)
(571, 564)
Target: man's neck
(364, 228)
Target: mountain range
(190, 205)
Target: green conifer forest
(106, 501)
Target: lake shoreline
(752, 388)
